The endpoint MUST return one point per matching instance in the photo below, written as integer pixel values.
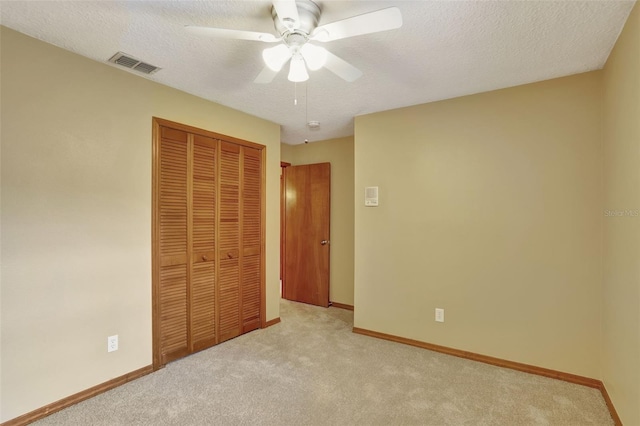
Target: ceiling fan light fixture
(314, 56)
(296, 23)
(298, 70)
(275, 57)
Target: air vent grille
(130, 62)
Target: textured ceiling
(443, 50)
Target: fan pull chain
(306, 103)
(295, 93)
(306, 110)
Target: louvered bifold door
(251, 237)
(202, 291)
(173, 265)
(229, 296)
(208, 237)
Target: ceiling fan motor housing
(308, 18)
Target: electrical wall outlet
(439, 315)
(112, 343)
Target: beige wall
(491, 208)
(286, 152)
(621, 289)
(76, 216)
(338, 152)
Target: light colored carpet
(312, 370)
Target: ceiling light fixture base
(309, 16)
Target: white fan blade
(342, 68)
(287, 12)
(373, 22)
(232, 34)
(266, 76)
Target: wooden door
(240, 239)
(307, 210)
(173, 246)
(202, 291)
(187, 203)
(251, 237)
(229, 229)
(208, 240)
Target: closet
(208, 239)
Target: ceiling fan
(296, 22)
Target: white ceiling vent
(130, 62)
